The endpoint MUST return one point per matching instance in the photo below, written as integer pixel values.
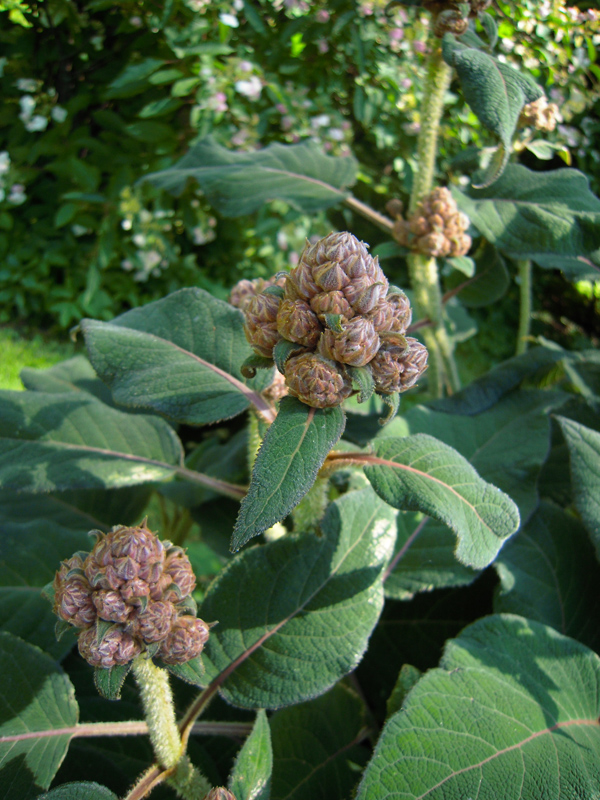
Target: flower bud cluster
(245, 290)
(437, 228)
(130, 594)
(540, 115)
(452, 16)
(337, 307)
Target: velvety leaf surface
(237, 183)
(73, 375)
(278, 604)
(420, 473)
(250, 778)
(484, 392)
(548, 573)
(30, 554)
(490, 281)
(180, 356)
(528, 214)
(315, 747)
(584, 453)
(293, 450)
(496, 93)
(35, 696)
(79, 791)
(67, 441)
(512, 712)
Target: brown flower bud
(277, 390)
(419, 226)
(220, 793)
(330, 277)
(185, 640)
(393, 313)
(261, 323)
(301, 279)
(73, 601)
(297, 322)
(450, 21)
(434, 244)
(399, 364)
(133, 592)
(244, 290)
(394, 207)
(111, 606)
(317, 382)
(355, 345)
(116, 647)
(179, 570)
(401, 232)
(331, 303)
(154, 622)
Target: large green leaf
(420, 473)
(496, 93)
(36, 701)
(292, 452)
(250, 777)
(237, 183)
(315, 747)
(584, 454)
(54, 442)
(73, 375)
(277, 606)
(489, 283)
(512, 712)
(180, 356)
(30, 554)
(548, 573)
(550, 217)
(79, 791)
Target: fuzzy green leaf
(292, 452)
(180, 356)
(420, 473)
(548, 573)
(191, 671)
(238, 183)
(490, 281)
(52, 442)
(584, 454)
(109, 682)
(250, 777)
(316, 747)
(79, 791)
(496, 93)
(550, 217)
(73, 375)
(512, 712)
(35, 697)
(277, 604)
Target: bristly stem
(525, 306)
(157, 701)
(423, 271)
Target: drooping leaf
(277, 604)
(237, 183)
(180, 356)
(490, 281)
(109, 681)
(30, 554)
(550, 217)
(548, 573)
(315, 747)
(420, 473)
(584, 454)
(52, 442)
(496, 93)
(250, 777)
(35, 697)
(407, 678)
(514, 705)
(79, 791)
(191, 671)
(484, 392)
(73, 375)
(292, 452)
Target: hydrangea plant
(327, 598)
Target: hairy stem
(157, 701)
(524, 267)
(383, 222)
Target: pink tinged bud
(134, 591)
(437, 222)
(140, 544)
(111, 606)
(185, 641)
(115, 648)
(419, 226)
(331, 303)
(220, 793)
(154, 623)
(243, 291)
(356, 345)
(302, 280)
(73, 602)
(387, 372)
(298, 323)
(317, 382)
(126, 568)
(367, 301)
(261, 323)
(330, 277)
(179, 569)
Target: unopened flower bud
(220, 793)
(261, 323)
(154, 622)
(394, 208)
(185, 640)
(316, 381)
(73, 601)
(111, 606)
(178, 568)
(330, 277)
(355, 345)
(116, 647)
(331, 303)
(297, 322)
(393, 313)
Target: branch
(383, 222)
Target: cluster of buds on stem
(452, 16)
(540, 115)
(436, 228)
(131, 594)
(333, 314)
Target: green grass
(17, 352)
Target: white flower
(337, 134)
(58, 114)
(250, 88)
(79, 230)
(17, 194)
(139, 240)
(320, 122)
(230, 20)
(127, 264)
(37, 123)
(126, 224)
(27, 104)
(4, 162)
(26, 85)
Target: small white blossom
(320, 122)
(230, 20)
(126, 224)
(58, 114)
(139, 240)
(37, 123)
(27, 104)
(4, 162)
(250, 88)
(26, 85)
(17, 194)
(79, 230)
